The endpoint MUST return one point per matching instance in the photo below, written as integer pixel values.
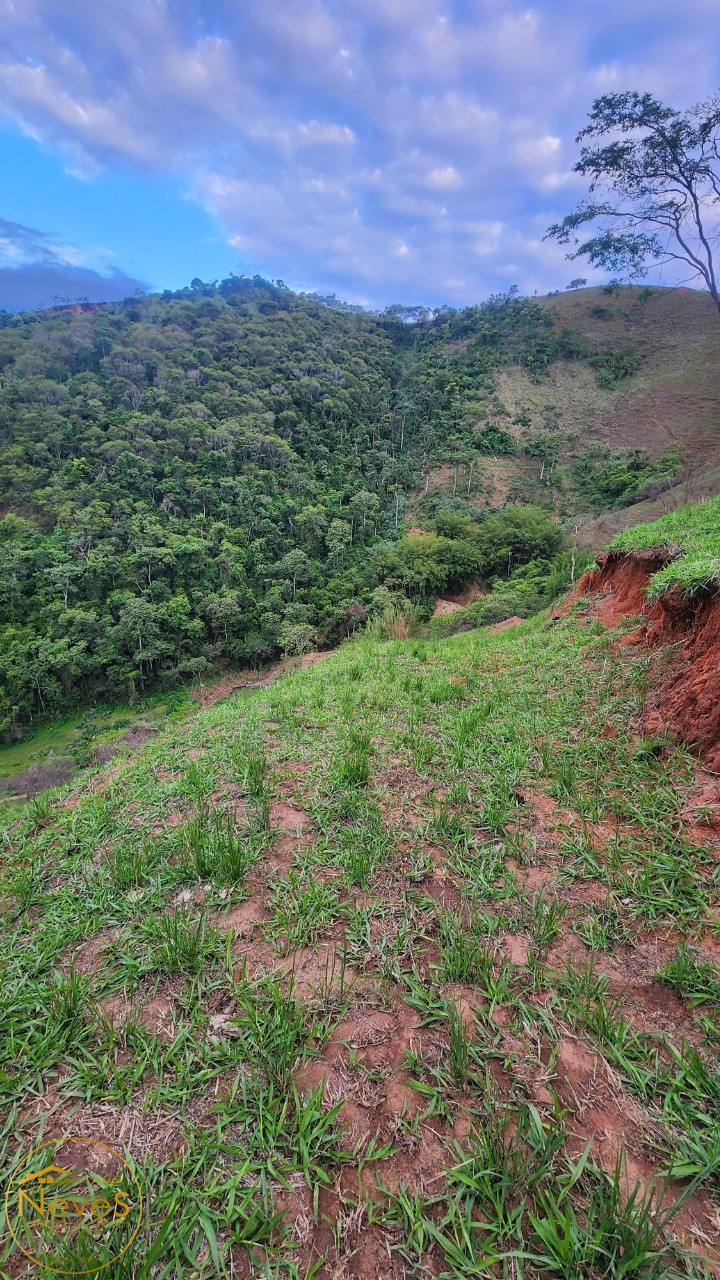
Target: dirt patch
(90, 957)
(588, 1087)
(289, 818)
(531, 878)
(128, 1127)
(443, 891)
(619, 1129)
(509, 622)
(318, 974)
(452, 602)
(242, 919)
(229, 684)
(321, 973)
(104, 780)
(39, 777)
(688, 695)
(516, 947)
(621, 580)
(443, 607)
(158, 1014)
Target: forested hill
(222, 474)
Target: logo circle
(76, 1211)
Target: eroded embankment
(686, 695)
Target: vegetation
(465, 546)
(221, 475)
(606, 480)
(528, 589)
(52, 752)
(692, 536)
(367, 962)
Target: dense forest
(219, 475)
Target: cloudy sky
(384, 150)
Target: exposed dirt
(508, 622)
(686, 696)
(453, 603)
(89, 957)
(159, 1013)
(621, 582)
(158, 1135)
(289, 818)
(207, 695)
(618, 1127)
(242, 919)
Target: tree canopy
(654, 194)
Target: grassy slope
(501, 910)
(671, 402)
(692, 532)
(675, 393)
(57, 751)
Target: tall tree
(654, 193)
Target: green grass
(515, 1206)
(692, 534)
(479, 867)
(58, 738)
(75, 735)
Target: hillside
(673, 401)
(406, 963)
(669, 403)
(226, 474)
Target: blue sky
(384, 150)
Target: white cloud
(486, 238)
(380, 148)
(315, 133)
(446, 179)
(36, 268)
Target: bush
(492, 439)
(529, 589)
(496, 608)
(612, 367)
(618, 480)
(515, 536)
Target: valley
(213, 479)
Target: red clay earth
(686, 699)
(508, 622)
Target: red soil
(621, 580)
(686, 699)
(509, 622)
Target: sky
(409, 151)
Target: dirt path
(208, 695)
